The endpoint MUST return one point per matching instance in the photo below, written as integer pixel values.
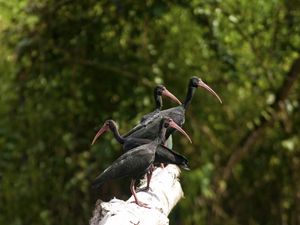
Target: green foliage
(66, 66)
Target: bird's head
(197, 82)
(168, 122)
(161, 90)
(108, 125)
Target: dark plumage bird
(136, 162)
(163, 154)
(127, 142)
(149, 130)
(159, 91)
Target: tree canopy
(67, 66)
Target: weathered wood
(165, 191)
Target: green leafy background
(66, 66)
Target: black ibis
(159, 91)
(149, 130)
(128, 142)
(136, 162)
(163, 154)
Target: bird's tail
(96, 184)
(185, 166)
(166, 155)
(98, 181)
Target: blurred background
(66, 66)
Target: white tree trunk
(165, 191)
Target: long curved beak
(174, 125)
(205, 86)
(165, 92)
(102, 130)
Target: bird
(136, 162)
(126, 142)
(163, 154)
(177, 113)
(159, 91)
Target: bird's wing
(147, 129)
(130, 163)
(148, 116)
(132, 143)
(177, 114)
(166, 155)
(133, 130)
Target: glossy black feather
(149, 127)
(134, 163)
(168, 156)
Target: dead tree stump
(165, 191)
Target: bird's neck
(189, 96)
(158, 102)
(117, 135)
(162, 136)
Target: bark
(165, 191)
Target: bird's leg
(136, 201)
(149, 176)
(163, 165)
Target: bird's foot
(147, 188)
(162, 165)
(141, 204)
(155, 168)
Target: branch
(165, 192)
(255, 135)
